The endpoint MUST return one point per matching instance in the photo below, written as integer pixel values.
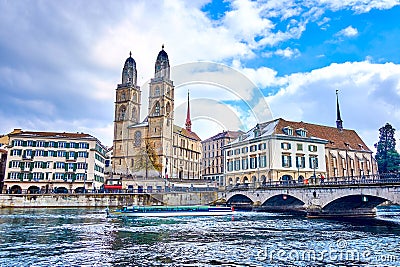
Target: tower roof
(188, 121)
(339, 122)
(162, 55)
(130, 62)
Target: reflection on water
(85, 237)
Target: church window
(157, 91)
(134, 115)
(138, 138)
(123, 96)
(121, 113)
(157, 109)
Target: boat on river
(168, 211)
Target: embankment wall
(105, 200)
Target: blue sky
(60, 61)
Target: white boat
(168, 211)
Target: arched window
(134, 115)
(121, 113)
(138, 138)
(157, 91)
(168, 108)
(157, 109)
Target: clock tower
(127, 112)
(161, 115)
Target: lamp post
(84, 177)
(314, 166)
(298, 170)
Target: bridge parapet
(335, 197)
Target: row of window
(100, 149)
(213, 162)
(99, 158)
(212, 154)
(213, 170)
(244, 150)
(288, 146)
(187, 165)
(212, 146)
(98, 168)
(184, 143)
(29, 153)
(46, 165)
(261, 162)
(59, 144)
(186, 153)
(300, 161)
(46, 176)
(289, 131)
(246, 163)
(253, 148)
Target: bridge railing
(377, 179)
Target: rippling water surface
(85, 237)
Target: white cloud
(348, 32)
(369, 96)
(288, 52)
(360, 6)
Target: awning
(112, 186)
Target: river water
(85, 237)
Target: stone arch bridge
(350, 199)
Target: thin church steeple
(188, 121)
(339, 122)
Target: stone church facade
(154, 147)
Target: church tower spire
(339, 122)
(188, 121)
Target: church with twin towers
(154, 147)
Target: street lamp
(314, 166)
(84, 177)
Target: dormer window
(361, 146)
(302, 132)
(287, 130)
(257, 131)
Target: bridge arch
(353, 202)
(240, 201)
(283, 202)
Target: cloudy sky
(60, 62)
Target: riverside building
(213, 155)
(53, 162)
(281, 151)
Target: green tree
(387, 157)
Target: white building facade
(47, 161)
(270, 154)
